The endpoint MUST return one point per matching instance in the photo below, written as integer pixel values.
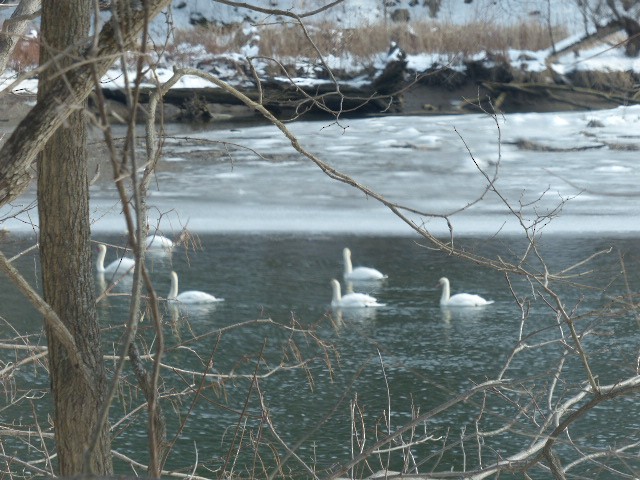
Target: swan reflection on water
(180, 316)
(113, 286)
(340, 316)
(457, 314)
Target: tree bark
(65, 253)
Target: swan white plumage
(359, 273)
(190, 296)
(158, 242)
(351, 300)
(459, 299)
(121, 266)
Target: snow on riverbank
(599, 57)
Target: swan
(121, 266)
(359, 273)
(459, 299)
(190, 296)
(158, 242)
(351, 300)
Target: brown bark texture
(65, 251)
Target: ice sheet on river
(583, 170)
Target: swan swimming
(459, 299)
(158, 242)
(122, 266)
(190, 296)
(351, 300)
(359, 273)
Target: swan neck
(173, 291)
(348, 268)
(337, 295)
(445, 292)
(102, 251)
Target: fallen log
(289, 98)
(519, 95)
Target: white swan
(351, 300)
(158, 242)
(459, 299)
(190, 296)
(359, 273)
(121, 266)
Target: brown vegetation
(282, 41)
(622, 81)
(288, 40)
(25, 55)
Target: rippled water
(410, 353)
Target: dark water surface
(410, 355)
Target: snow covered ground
(352, 13)
(600, 57)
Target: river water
(269, 232)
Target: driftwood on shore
(280, 98)
(561, 97)
(493, 84)
(287, 99)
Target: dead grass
(612, 82)
(286, 40)
(25, 56)
(215, 39)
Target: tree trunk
(65, 252)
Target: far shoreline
(416, 100)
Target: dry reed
(285, 41)
(288, 40)
(26, 55)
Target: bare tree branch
(50, 317)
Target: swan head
(443, 281)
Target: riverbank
(488, 84)
(424, 96)
(420, 98)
